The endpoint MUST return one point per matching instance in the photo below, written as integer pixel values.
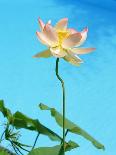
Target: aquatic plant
(62, 43)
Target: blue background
(90, 89)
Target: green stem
(36, 140)
(15, 150)
(18, 150)
(23, 148)
(63, 90)
(1, 138)
(66, 132)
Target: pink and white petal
(56, 52)
(72, 40)
(73, 59)
(43, 39)
(41, 24)
(84, 36)
(50, 34)
(49, 22)
(72, 31)
(62, 24)
(43, 54)
(82, 50)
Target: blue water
(90, 89)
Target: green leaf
(6, 112)
(71, 145)
(55, 150)
(22, 121)
(5, 151)
(19, 120)
(71, 126)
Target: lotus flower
(62, 42)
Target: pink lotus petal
(43, 54)
(73, 59)
(72, 40)
(50, 34)
(84, 36)
(41, 24)
(49, 22)
(62, 24)
(82, 50)
(72, 31)
(43, 38)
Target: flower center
(59, 50)
(61, 36)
